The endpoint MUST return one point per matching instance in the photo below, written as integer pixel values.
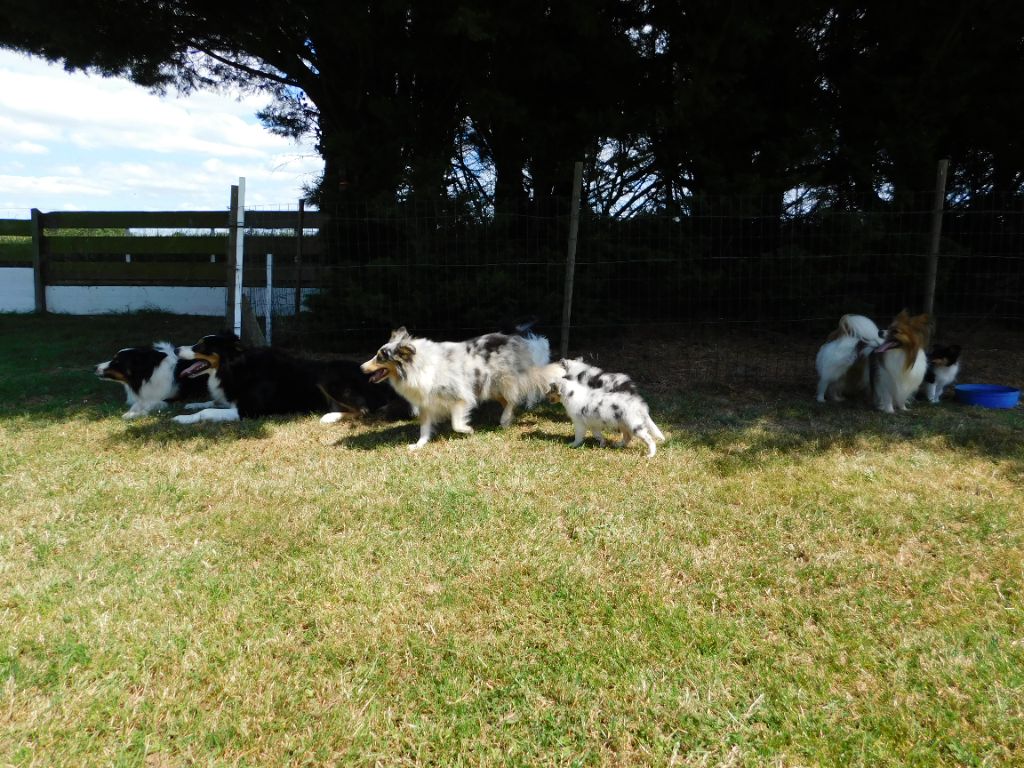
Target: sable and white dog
(899, 364)
(598, 401)
(150, 379)
(449, 378)
(842, 360)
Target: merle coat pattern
(448, 379)
(596, 400)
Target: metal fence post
(931, 275)
(229, 260)
(570, 257)
(239, 224)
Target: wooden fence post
(38, 261)
(570, 258)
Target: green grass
(784, 584)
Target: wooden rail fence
(161, 248)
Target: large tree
(351, 74)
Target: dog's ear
(902, 317)
(399, 333)
(405, 352)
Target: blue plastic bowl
(987, 395)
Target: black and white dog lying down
(151, 379)
(264, 381)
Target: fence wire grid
(727, 289)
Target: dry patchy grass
(784, 584)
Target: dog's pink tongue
(885, 345)
(195, 367)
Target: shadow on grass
(749, 431)
(162, 431)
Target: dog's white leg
(932, 391)
(600, 437)
(507, 414)
(460, 418)
(426, 427)
(137, 410)
(332, 418)
(651, 448)
(199, 406)
(581, 433)
(209, 414)
(884, 401)
(822, 389)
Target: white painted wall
(17, 290)
(17, 294)
(103, 299)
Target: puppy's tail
(653, 429)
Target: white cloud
(28, 148)
(107, 144)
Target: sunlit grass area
(783, 584)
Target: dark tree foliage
(671, 102)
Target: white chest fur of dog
(895, 383)
(599, 401)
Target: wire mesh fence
(738, 288)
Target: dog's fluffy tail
(653, 429)
(535, 383)
(540, 348)
(860, 327)
(167, 348)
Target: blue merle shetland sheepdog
(447, 379)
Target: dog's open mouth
(197, 368)
(378, 376)
(886, 345)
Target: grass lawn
(785, 584)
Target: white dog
(842, 361)
(449, 378)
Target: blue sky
(82, 142)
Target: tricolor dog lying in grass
(151, 379)
(264, 381)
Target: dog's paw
(132, 414)
(185, 419)
(415, 446)
(194, 406)
(332, 418)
